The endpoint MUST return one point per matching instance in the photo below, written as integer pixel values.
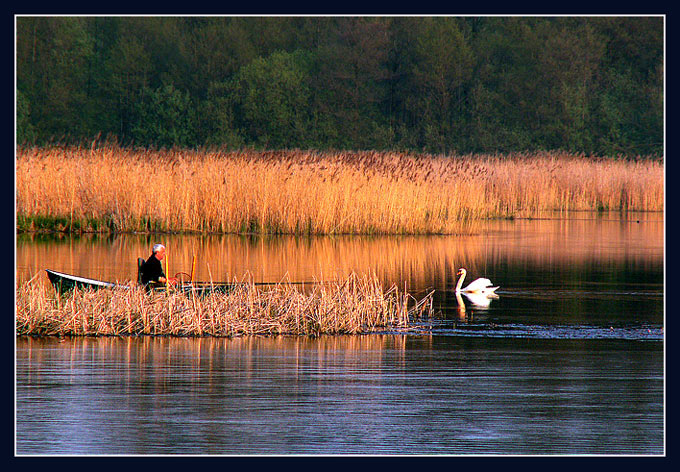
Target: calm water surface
(568, 360)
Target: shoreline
(57, 227)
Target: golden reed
(357, 304)
(307, 192)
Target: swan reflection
(479, 300)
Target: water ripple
(554, 332)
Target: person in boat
(152, 270)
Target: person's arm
(163, 279)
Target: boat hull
(66, 282)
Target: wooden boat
(65, 282)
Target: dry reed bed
(358, 304)
(309, 192)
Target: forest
(440, 85)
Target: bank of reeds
(357, 304)
(306, 192)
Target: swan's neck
(460, 282)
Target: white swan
(479, 286)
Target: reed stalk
(296, 192)
(356, 305)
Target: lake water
(569, 359)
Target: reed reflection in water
(377, 394)
(418, 261)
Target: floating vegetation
(357, 304)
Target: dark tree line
(465, 84)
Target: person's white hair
(157, 247)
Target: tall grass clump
(357, 304)
(307, 192)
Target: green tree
(504, 91)
(568, 66)
(351, 83)
(129, 69)
(25, 131)
(52, 58)
(629, 100)
(214, 49)
(271, 96)
(164, 117)
(101, 106)
(217, 117)
(441, 71)
(472, 84)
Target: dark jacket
(152, 270)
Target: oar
(211, 282)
